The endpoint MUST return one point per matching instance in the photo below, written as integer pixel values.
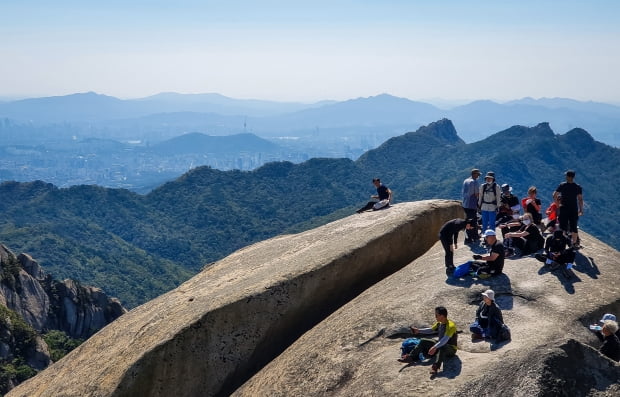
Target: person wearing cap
(471, 190)
(611, 343)
(571, 206)
(489, 318)
(491, 264)
(597, 328)
(448, 235)
(384, 197)
(445, 346)
(488, 201)
(509, 206)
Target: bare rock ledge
(216, 330)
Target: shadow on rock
(566, 277)
(500, 284)
(585, 264)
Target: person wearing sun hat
(488, 200)
(489, 318)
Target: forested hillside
(137, 247)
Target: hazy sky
(312, 50)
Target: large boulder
(214, 331)
(552, 353)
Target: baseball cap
(608, 316)
(489, 232)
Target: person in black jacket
(611, 343)
(489, 319)
(448, 235)
(558, 252)
(382, 199)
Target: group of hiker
(489, 207)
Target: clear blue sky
(312, 50)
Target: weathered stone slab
(208, 335)
(552, 351)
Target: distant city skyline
(305, 51)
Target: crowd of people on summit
(490, 209)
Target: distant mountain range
(138, 246)
(363, 121)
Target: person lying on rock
(489, 318)
(448, 235)
(611, 343)
(491, 264)
(444, 347)
(384, 197)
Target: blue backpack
(462, 270)
(408, 345)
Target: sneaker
(434, 369)
(476, 337)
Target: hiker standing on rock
(448, 235)
(569, 195)
(471, 190)
(442, 348)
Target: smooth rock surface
(351, 352)
(211, 333)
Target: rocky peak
(47, 304)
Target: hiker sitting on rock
(491, 264)
(558, 252)
(442, 348)
(597, 328)
(611, 343)
(526, 240)
(489, 318)
(384, 195)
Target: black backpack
(504, 333)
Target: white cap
(489, 232)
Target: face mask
(515, 216)
(526, 221)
